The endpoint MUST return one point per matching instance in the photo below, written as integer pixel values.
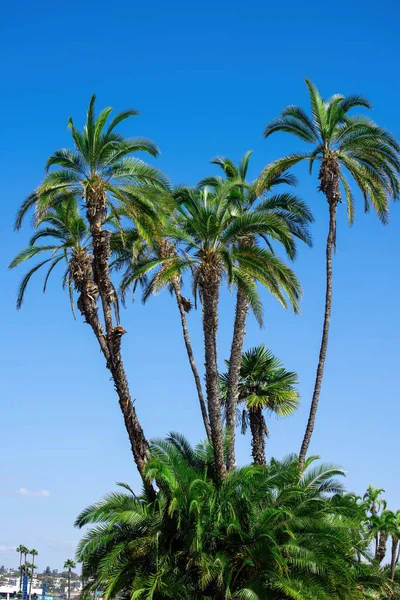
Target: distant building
(7, 592)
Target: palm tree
(371, 497)
(69, 564)
(263, 384)
(342, 142)
(210, 228)
(128, 248)
(375, 503)
(101, 171)
(382, 526)
(22, 550)
(33, 553)
(292, 217)
(264, 532)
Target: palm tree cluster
(265, 532)
(26, 568)
(203, 527)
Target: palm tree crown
(263, 384)
(66, 229)
(101, 162)
(342, 142)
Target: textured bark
(166, 249)
(257, 427)
(182, 311)
(235, 361)
(381, 550)
(210, 296)
(69, 583)
(92, 279)
(20, 571)
(329, 177)
(394, 559)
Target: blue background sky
(207, 77)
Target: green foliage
(264, 532)
(66, 231)
(264, 383)
(368, 153)
(205, 231)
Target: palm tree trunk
(192, 361)
(20, 571)
(330, 245)
(69, 584)
(257, 435)
(393, 563)
(235, 361)
(210, 293)
(30, 583)
(110, 342)
(381, 550)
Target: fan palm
(292, 217)
(344, 145)
(209, 227)
(263, 384)
(264, 532)
(69, 564)
(102, 171)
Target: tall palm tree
(102, 171)
(21, 550)
(263, 385)
(292, 218)
(383, 525)
(375, 503)
(33, 553)
(69, 564)
(342, 143)
(128, 248)
(209, 228)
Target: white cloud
(24, 492)
(8, 548)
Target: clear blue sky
(207, 77)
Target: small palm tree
(290, 220)
(341, 143)
(21, 549)
(375, 503)
(263, 385)
(33, 553)
(102, 171)
(209, 229)
(69, 564)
